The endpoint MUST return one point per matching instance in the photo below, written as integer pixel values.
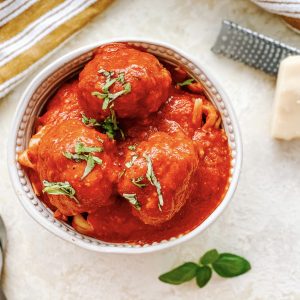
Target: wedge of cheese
(286, 112)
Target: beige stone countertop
(261, 223)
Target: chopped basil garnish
(89, 121)
(130, 163)
(122, 173)
(186, 82)
(81, 148)
(153, 180)
(132, 147)
(59, 188)
(108, 97)
(82, 153)
(137, 182)
(132, 199)
(111, 126)
(224, 264)
(106, 73)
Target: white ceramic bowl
(46, 83)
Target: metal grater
(251, 48)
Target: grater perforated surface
(251, 48)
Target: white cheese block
(286, 113)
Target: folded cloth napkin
(30, 30)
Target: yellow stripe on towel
(20, 22)
(15, 69)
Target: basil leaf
(153, 180)
(89, 121)
(121, 77)
(127, 88)
(81, 148)
(203, 276)
(129, 164)
(111, 126)
(231, 265)
(90, 164)
(186, 82)
(60, 188)
(132, 147)
(97, 160)
(209, 257)
(138, 182)
(108, 84)
(106, 95)
(181, 274)
(132, 199)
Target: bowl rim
(122, 249)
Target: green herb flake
(89, 121)
(60, 188)
(153, 180)
(111, 126)
(122, 173)
(81, 148)
(186, 82)
(100, 140)
(129, 164)
(132, 199)
(132, 147)
(138, 182)
(108, 97)
(83, 153)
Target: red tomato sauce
(117, 224)
(178, 126)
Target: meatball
(132, 81)
(114, 222)
(158, 176)
(191, 112)
(75, 164)
(63, 106)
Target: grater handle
(251, 48)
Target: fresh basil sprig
(225, 264)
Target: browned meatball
(75, 163)
(139, 78)
(63, 106)
(158, 176)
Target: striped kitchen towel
(288, 8)
(30, 30)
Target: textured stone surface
(262, 222)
